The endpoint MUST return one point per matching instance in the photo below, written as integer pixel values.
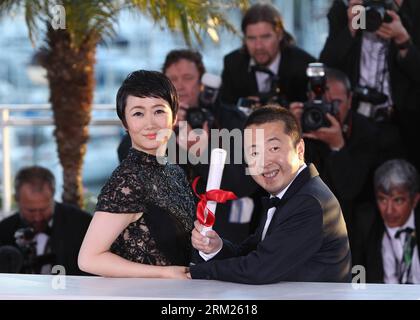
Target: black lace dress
(163, 197)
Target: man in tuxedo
(268, 63)
(302, 235)
(44, 232)
(387, 242)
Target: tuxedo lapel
(283, 70)
(260, 228)
(252, 80)
(303, 177)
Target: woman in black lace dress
(145, 212)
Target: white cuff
(208, 256)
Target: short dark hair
(36, 176)
(146, 84)
(273, 113)
(191, 55)
(339, 76)
(396, 173)
(262, 12)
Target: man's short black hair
(146, 84)
(36, 176)
(191, 55)
(274, 113)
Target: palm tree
(69, 57)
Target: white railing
(8, 119)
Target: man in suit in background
(384, 69)
(302, 236)
(268, 64)
(386, 242)
(43, 233)
(345, 151)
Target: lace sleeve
(121, 193)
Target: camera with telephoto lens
(376, 13)
(315, 110)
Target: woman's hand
(176, 272)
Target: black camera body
(314, 114)
(315, 110)
(196, 117)
(376, 13)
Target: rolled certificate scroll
(217, 163)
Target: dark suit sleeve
(227, 94)
(410, 64)
(339, 41)
(293, 238)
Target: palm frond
(96, 19)
(8, 6)
(191, 17)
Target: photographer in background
(197, 91)
(201, 110)
(43, 233)
(268, 66)
(387, 242)
(343, 147)
(383, 63)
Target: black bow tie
(408, 230)
(268, 203)
(258, 68)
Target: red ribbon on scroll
(204, 215)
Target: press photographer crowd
(339, 156)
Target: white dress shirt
(374, 71)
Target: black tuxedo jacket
(306, 241)
(367, 243)
(239, 81)
(68, 230)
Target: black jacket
(306, 241)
